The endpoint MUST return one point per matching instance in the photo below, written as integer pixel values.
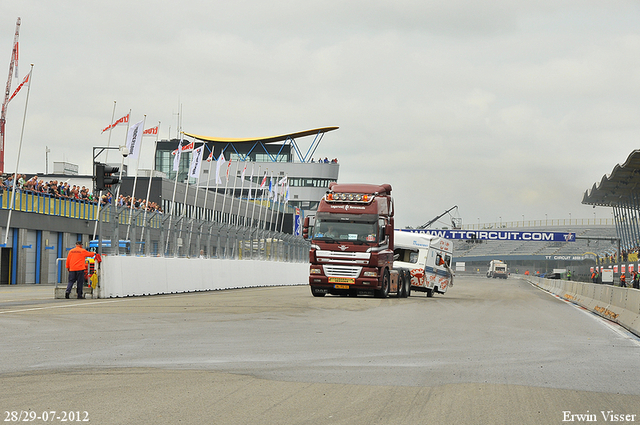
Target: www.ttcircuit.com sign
(497, 235)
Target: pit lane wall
(620, 305)
(123, 276)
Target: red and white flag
(151, 131)
(186, 148)
(264, 181)
(228, 167)
(25, 81)
(123, 120)
(176, 158)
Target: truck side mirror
(305, 228)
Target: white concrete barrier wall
(620, 305)
(128, 276)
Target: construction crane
(455, 222)
(3, 115)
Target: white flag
(219, 163)
(176, 159)
(196, 162)
(134, 138)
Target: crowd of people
(51, 187)
(64, 190)
(326, 160)
(625, 255)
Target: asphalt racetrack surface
(487, 352)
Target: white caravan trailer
(426, 258)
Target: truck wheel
(401, 283)
(384, 291)
(408, 282)
(429, 292)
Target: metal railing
(157, 234)
(562, 222)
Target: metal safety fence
(144, 233)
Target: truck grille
(342, 271)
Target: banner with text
(498, 235)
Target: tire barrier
(620, 305)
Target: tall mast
(12, 64)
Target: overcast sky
(503, 108)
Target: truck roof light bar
(361, 198)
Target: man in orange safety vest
(76, 266)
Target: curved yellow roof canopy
(271, 139)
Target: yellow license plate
(342, 280)
(341, 286)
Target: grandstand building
(274, 157)
(620, 190)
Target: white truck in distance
(497, 269)
(426, 258)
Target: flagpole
(113, 116)
(224, 201)
(286, 200)
(235, 179)
(135, 179)
(195, 202)
(246, 209)
(284, 196)
(246, 212)
(244, 172)
(274, 194)
(126, 134)
(184, 202)
(173, 197)
(253, 209)
(146, 206)
(226, 186)
(215, 200)
(260, 218)
(261, 201)
(15, 174)
(206, 194)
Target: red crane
(14, 63)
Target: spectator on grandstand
(8, 183)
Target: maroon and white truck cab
(352, 243)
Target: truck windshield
(346, 230)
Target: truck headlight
(315, 270)
(370, 274)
